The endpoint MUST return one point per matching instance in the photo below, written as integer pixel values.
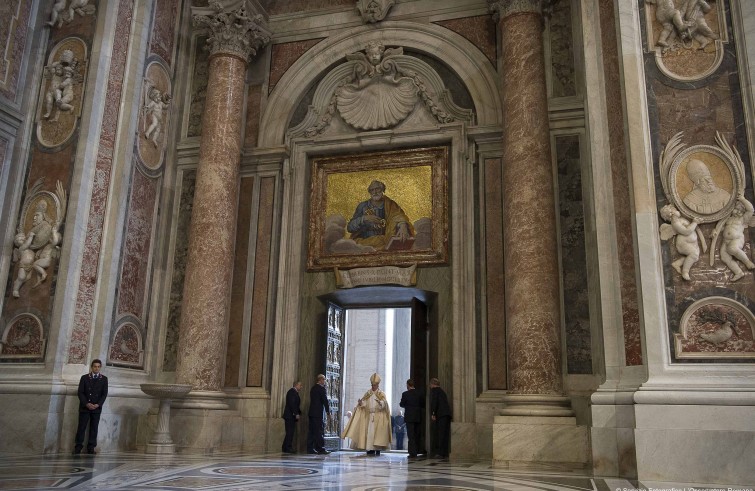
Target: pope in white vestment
(370, 426)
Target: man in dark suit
(413, 403)
(318, 403)
(440, 413)
(92, 394)
(291, 415)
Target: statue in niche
(374, 10)
(36, 248)
(63, 74)
(686, 239)
(684, 24)
(60, 13)
(157, 103)
(732, 229)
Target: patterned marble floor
(338, 471)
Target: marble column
(233, 38)
(537, 423)
(533, 317)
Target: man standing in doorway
(318, 403)
(413, 403)
(92, 394)
(440, 413)
(291, 414)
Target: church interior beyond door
(377, 340)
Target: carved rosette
(234, 32)
(504, 8)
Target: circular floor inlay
(263, 471)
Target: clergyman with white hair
(370, 427)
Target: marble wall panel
(284, 55)
(132, 289)
(479, 30)
(14, 31)
(38, 300)
(573, 256)
(563, 79)
(199, 79)
(78, 347)
(180, 254)
(238, 288)
(621, 188)
(277, 7)
(253, 104)
(262, 275)
(700, 109)
(3, 154)
(496, 319)
(164, 29)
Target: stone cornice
(504, 8)
(232, 32)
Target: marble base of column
(203, 399)
(537, 405)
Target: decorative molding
(374, 10)
(23, 339)
(378, 89)
(504, 8)
(232, 33)
(716, 328)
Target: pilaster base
(538, 439)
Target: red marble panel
(164, 29)
(78, 346)
(14, 31)
(479, 30)
(238, 289)
(276, 7)
(284, 55)
(621, 188)
(496, 313)
(253, 101)
(135, 275)
(261, 287)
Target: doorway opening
(377, 341)
(422, 347)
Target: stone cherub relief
(154, 110)
(65, 13)
(379, 93)
(38, 246)
(374, 10)
(695, 197)
(63, 74)
(683, 24)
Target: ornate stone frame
(684, 325)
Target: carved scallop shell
(381, 104)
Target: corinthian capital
(232, 32)
(504, 8)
